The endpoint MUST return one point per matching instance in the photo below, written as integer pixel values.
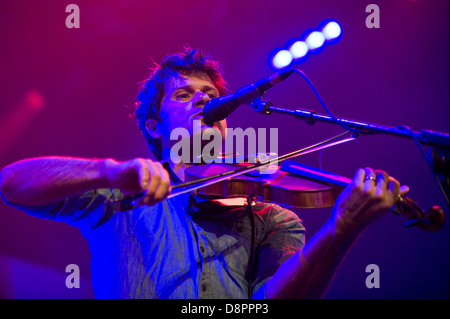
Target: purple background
(394, 75)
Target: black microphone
(219, 108)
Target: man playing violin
(181, 247)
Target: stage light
(311, 42)
(315, 40)
(298, 49)
(332, 30)
(281, 59)
(19, 118)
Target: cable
(252, 248)
(419, 146)
(303, 75)
(335, 120)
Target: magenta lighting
(313, 41)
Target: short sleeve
(86, 211)
(284, 236)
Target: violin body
(289, 186)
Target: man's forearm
(39, 181)
(309, 272)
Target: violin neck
(314, 173)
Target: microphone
(219, 108)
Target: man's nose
(200, 99)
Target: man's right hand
(137, 176)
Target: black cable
(419, 146)
(303, 75)
(252, 247)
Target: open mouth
(198, 116)
(199, 112)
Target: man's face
(183, 103)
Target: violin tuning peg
(435, 217)
(433, 220)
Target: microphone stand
(437, 157)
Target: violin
(291, 185)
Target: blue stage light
(298, 49)
(281, 59)
(315, 40)
(332, 30)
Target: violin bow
(125, 203)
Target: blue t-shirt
(170, 251)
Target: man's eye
(183, 96)
(211, 96)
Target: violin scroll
(432, 219)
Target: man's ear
(151, 127)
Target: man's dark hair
(189, 62)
